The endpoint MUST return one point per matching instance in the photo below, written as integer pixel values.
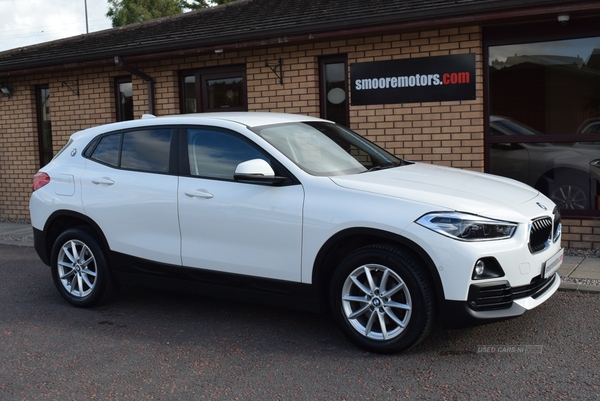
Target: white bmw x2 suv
(293, 211)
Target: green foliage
(196, 4)
(124, 12)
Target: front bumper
(492, 302)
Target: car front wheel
(381, 299)
(79, 269)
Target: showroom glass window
(544, 118)
(214, 90)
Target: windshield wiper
(386, 166)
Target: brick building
(529, 110)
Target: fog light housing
(487, 268)
(479, 266)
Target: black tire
(79, 269)
(365, 310)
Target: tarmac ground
(579, 273)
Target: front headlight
(467, 227)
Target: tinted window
(216, 154)
(107, 150)
(146, 150)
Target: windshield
(326, 149)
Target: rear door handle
(103, 181)
(200, 193)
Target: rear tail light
(40, 179)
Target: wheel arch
(545, 181)
(559, 175)
(58, 222)
(344, 242)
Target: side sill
(132, 271)
(308, 304)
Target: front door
(234, 227)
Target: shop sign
(426, 79)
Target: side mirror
(257, 171)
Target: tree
(124, 12)
(196, 4)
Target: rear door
(129, 189)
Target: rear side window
(142, 150)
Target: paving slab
(589, 268)
(569, 265)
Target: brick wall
(579, 233)
(445, 133)
(18, 149)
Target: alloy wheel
(376, 302)
(77, 268)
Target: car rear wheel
(381, 299)
(79, 269)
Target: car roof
(248, 119)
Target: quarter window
(107, 151)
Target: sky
(27, 22)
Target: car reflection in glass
(566, 174)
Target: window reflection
(226, 92)
(541, 89)
(216, 154)
(146, 150)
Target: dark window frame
(45, 154)
(173, 165)
(201, 76)
(119, 112)
(323, 61)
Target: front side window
(214, 90)
(143, 150)
(216, 154)
(544, 115)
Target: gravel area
(14, 238)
